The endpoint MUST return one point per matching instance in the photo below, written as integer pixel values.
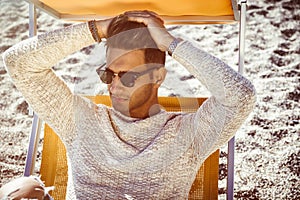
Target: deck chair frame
(36, 124)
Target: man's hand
(152, 20)
(23, 188)
(102, 26)
(155, 25)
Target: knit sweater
(112, 156)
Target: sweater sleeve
(232, 100)
(29, 63)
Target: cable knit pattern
(112, 156)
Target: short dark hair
(130, 35)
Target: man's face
(136, 100)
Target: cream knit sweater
(112, 156)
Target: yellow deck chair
(54, 167)
(173, 12)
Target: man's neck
(151, 111)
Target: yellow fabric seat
(54, 168)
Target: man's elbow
(9, 59)
(248, 99)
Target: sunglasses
(127, 78)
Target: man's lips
(118, 98)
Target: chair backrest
(54, 168)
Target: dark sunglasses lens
(106, 76)
(128, 79)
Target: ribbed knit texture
(112, 156)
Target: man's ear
(159, 76)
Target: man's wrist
(173, 45)
(94, 30)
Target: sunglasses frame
(134, 75)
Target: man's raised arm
(29, 63)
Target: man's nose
(115, 84)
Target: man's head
(131, 49)
(130, 35)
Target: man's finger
(136, 15)
(155, 15)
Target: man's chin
(121, 107)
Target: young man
(134, 150)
